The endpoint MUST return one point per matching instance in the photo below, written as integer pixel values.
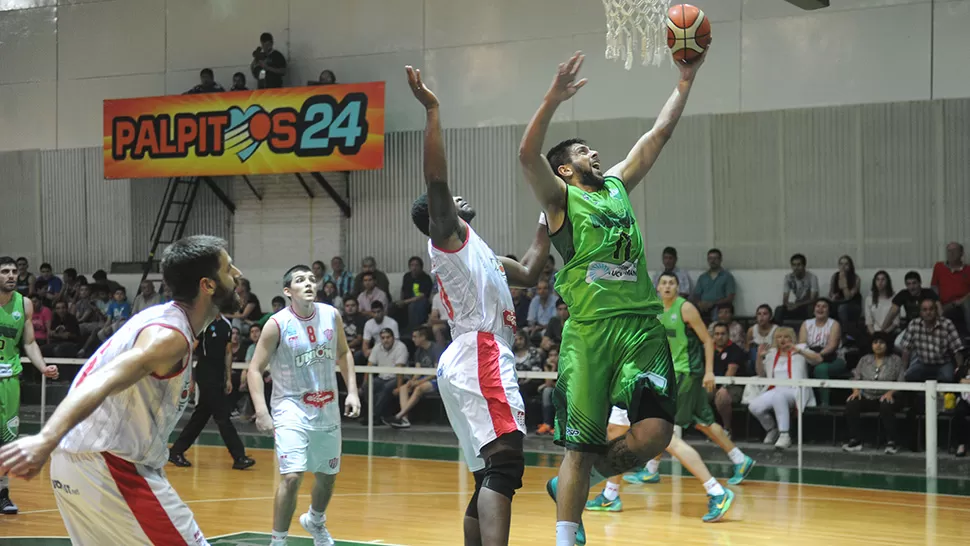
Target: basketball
(688, 32)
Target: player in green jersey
(15, 314)
(614, 351)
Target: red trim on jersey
(279, 335)
(185, 361)
(142, 502)
(490, 382)
(444, 299)
(297, 315)
(468, 236)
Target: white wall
(489, 61)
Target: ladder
(172, 216)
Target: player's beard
(466, 214)
(226, 299)
(591, 180)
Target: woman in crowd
(823, 335)
(250, 310)
(845, 293)
(772, 408)
(881, 365)
(880, 303)
(761, 333)
(330, 296)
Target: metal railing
(930, 389)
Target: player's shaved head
(421, 215)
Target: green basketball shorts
(620, 361)
(693, 403)
(9, 409)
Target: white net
(632, 23)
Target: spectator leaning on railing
(881, 365)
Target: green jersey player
(614, 348)
(15, 326)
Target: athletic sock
(713, 488)
(566, 533)
(278, 537)
(736, 456)
(611, 491)
(653, 465)
(317, 518)
(595, 478)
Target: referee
(213, 378)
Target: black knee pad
(472, 510)
(503, 472)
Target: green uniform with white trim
(693, 406)
(614, 351)
(12, 319)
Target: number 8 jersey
(304, 369)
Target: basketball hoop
(629, 21)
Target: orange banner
(299, 129)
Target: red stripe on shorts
(148, 511)
(490, 382)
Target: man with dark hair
(802, 286)
(113, 426)
(416, 293)
(101, 277)
(53, 284)
(269, 65)
(369, 265)
(371, 294)
(64, 337)
(714, 288)
(207, 84)
(378, 321)
(932, 349)
(908, 299)
(730, 360)
(341, 277)
(669, 258)
(239, 82)
(389, 352)
(71, 282)
(16, 312)
(611, 301)
(414, 388)
(552, 335)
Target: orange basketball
(688, 32)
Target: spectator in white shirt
(772, 408)
(670, 266)
(374, 326)
(370, 294)
(541, 310)
(146, 298)
(388, 353)
(879, 304)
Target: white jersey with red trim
(474, 289)
(304, 369)
(135, 424)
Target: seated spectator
(65, 335)
(670, 267)
(343, 278)
(249, 311)
(327, 77)
(54, 284)
(320, 274)
(547, 389)
(25, 279)
(845, 293)
(714, 288)
(40, 289)
(88, 315)
(411, 391)
(931, 346)
(772, 408)
(879, 305)
(118, 313)
(527, 359)
(278, 303)
(239, 82)
(207, 84)
(236, 346)
(951, 280)
(541, 310)
(552, 336)
(549, 275)
(881, 365)
(41, 320)
(378, 322)
(906, 303)
(416, 289)
(146, 297)
(71, 282)
(725, 315)
(960, 418)
(823, 335)
(438, 320)
(369, 265)
(371, 294)
(269, 65)
(247, 412)
(389, 352)
(102, 298)
(100, 277)
(801, 286)
(730, 360)
(328, 295)
(521, 302)
(761, 333)
(354, 324)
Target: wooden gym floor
(387, 500)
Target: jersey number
(313, 335)
(623, 247)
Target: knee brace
(503, 472)
(472, 510)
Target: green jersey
(605, 273)
(685, 347)
(12, 317)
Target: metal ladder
(172, 216)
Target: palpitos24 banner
(300, 129)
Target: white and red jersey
(474, 289)
(304, 369)
(135, 424)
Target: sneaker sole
(727, 506)
(304, 522)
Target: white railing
(930, 389)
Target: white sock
(713, 488)
(278, 537)
(611, 491)
(653, 465)
(317, 517)
(566, 533)
(736, 456)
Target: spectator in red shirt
(951, 280)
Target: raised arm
(645, 152)
(549, 189)
(447, 232)
(269, 339)
(525, 274)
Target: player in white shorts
(109, 437)
(303, 345)
(476, 373)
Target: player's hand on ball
(709, 381)
(51, 372)
(421, 91)
(264, 422)
(564, 86)
(689, 70)
(352, 406)
(25, 457)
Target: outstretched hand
(421, 91)
(564, 86)
(689, 70)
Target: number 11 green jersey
(605, 271)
